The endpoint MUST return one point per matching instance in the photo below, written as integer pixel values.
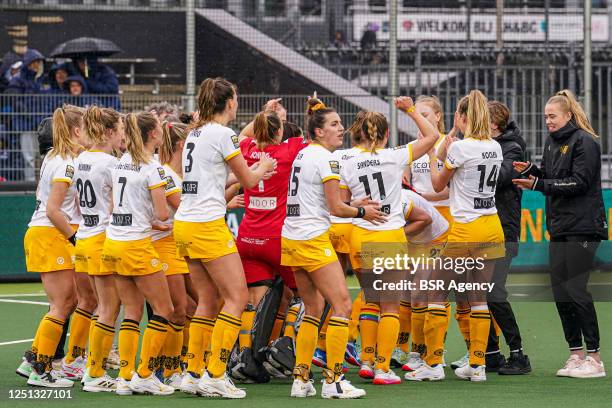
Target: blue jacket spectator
(100, 79)
(57, 76)
(76, 92)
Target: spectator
(7, 70)
(368, 39)
(100, 79)
(57, 75)
(28, 83)
(75, 85)
(339, 39)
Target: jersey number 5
(295, 182)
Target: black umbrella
(85, 46)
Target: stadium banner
(453, 27)
(17, 209)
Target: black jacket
(570, 178)
(507, 195)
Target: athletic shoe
(301, 389)
(75, 370)
(367, 370)
(462, 362)
(572, 362)
(49, 379)
(426, 373)
(57, 364)
(589, 368)
(398, 358)
(100, 384)
(319, 358)
(495, 361)
(189, 384)
(413, 363)
(517, 364)
(24, 369)
(472, 373)
(341, 389)
(174, 381)
(219, 387)
(382, 377)
(149, 385)
(351, 355)
(122, 387)
(113, 361)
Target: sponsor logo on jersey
(190, 187)
(484, 203)
(334, 166)
(162, 173)
(170, 183)
(90, 220)
(84, 167)
(122, 220)
(69, 171)
(293, 210)
(262, 203)
(235, 141)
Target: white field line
(26, 302)
(8, 343)
(40, 294)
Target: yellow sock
(368, 322)
(79, 333)
(171, 351)
(199, 342)
(224, 336)
(185, 345)
(354, 322)
(463, 320)
(278, 326)
(417, 330)
(435, 331)
(92, 324)
(128, 347)
(388, 330)
(100, 343)
(292, 315)
(245, 339)
(336, 339)
(480, 323)
(50, 332)
(305, 345)
(405, 320)
(152, 342)
(321, 344)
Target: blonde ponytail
(173, 133)
(475, 107)
(65, 120)
(212, 99)
(134, 141)
(568, 103)
(374, 127)
(97, 121)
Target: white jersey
(93, 181)
(472, 187)
(173, 186)
(438, 225)
(342, 155)
(379, 175)
(132, 205)
(307, 212)
(53, 170)
(205, 172)
(420, 175)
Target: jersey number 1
(379, 180)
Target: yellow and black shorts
(170, 262)
(47, 250)
(310, 255)
(367, 245)
(481, 238)
(88, 254)
(206, 241)
(129, 258)
(340, 237)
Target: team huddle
(131, 210)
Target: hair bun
(320, 105)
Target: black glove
(72, 239)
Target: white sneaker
(149, 385)
(426, 373)
(113, 361)
(189, 384)
(175, 381)
(219, 387)
(413, 363)
(470, 373)
(367, 370)
(382, 377)
(24, 369)
(301, 389)
(462, 362)
(49, 379)
(100, 384)
(86, 377)
(75, 370)
(341, 389)
(122, 387)
(589, 368)
(399, 357)
(574, 361)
